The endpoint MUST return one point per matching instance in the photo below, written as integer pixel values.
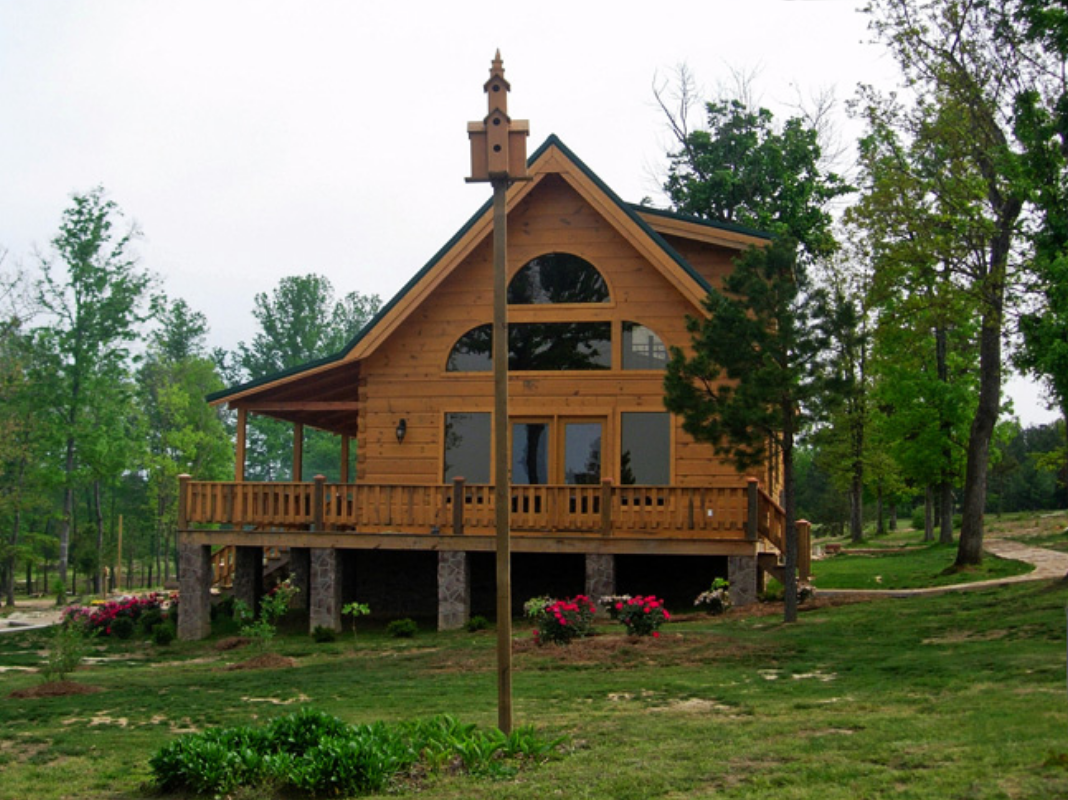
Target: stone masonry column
(742, 574)
(324, 590)
(300, 575)
(194, 591)
(454, 589)
(248, 576)
(600, 575)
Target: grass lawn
(956, 696)
(911, 568)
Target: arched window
(473, 352)
(557, 278)
(642, 349)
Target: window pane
(560, 346)
(530, 452)
(582, 453)
(646, 448)
(557, 278)
(642, 349)
(467, 447)
(473, 352)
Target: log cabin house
(608, 493)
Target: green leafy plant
(562, 621)
(68, 646)
(643, 616)
(164, 633)
(355, 611)
(273, 606)
(323, 635)
(717, 599)
(402, 628)
(476, 623)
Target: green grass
(952, 696)
(916, 567)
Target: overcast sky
(255, 140)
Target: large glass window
(537, 346)
(582, 453)
(560, 345)
(557, 278)
(645, 448)
(467, 446)
(642, 349)
(530, 452)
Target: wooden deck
(736, 519)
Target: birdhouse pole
(499, 157)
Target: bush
(717, 599)
(476, 623)
(643, 616)
(123, 627)
(315, 754)
(149, 619)
(164, 633)
(101, 618)
(402, 628)
(323, 635)
(68, 646)
(562, 621)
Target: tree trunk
(880, 523)
(945, 496)
(856, 509)
(68, 513)
(928, 514)
(9, 594)
(98, 579)
(893, 515)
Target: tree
(961, 141)
(93, 292)
(756, 374)
(299, 322)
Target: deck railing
(738, 511)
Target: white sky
(255, 140)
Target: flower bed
(108, 618)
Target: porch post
(298, 452)
(194, 589)
(248, 576)
(239, 448)
(344, 458)
(742, 574)
(324, 591)
(600, 575)
(454, 589)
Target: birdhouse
(498, 143)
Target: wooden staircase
(224, 561)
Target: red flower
(656, 634)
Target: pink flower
(656, 634)
(619, 606)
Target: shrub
(355, 610)
(561, 621)
(402, 628)
(123, 627)
(164, 633)
(315, 754)
(68, 646)
(101, 618)
(609, 601)
(643, 616)
(149, 619)
(717, 599)
(322, 634)
(273, 607)
(476, 623)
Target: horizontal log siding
(406, 376)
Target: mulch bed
(231, 643)
(55, 689)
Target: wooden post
(804, 549)
(498, 156)
(239, 448)
(318, 502)
(183, 499)
(298, 452)
(606, 507)
(458, 506)
(344, 458)
(502, 489)
(752, 523)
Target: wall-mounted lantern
(402, 429)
